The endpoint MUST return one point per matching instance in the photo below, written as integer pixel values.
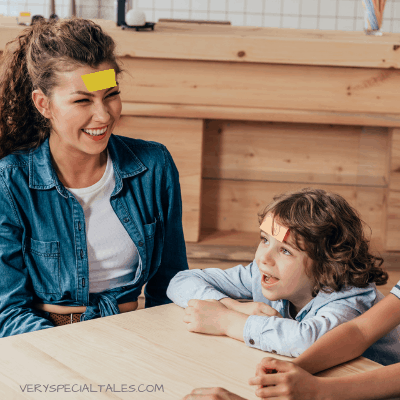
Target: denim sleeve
(173, 259)
(211, 283)
(16, 293)
(289, 337)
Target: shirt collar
(43, 176)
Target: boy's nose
(267, 258)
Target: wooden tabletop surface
(147, 350)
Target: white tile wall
(296, 14)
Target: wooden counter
(249, 113)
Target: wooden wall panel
(233, 205)
(296, 87)
(184, 139)
(285, 152)
(393, 216)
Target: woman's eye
(112, 94)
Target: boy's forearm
(229, 303)
(341, 344)
(364, 386)
(235, 322)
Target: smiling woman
(87, 217)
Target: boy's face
(287, 267)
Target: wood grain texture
(259, 114)
(307, 153)
(234, 205)
(184, 139)
(393, 216)
(147, 347)
(245, 44)
(270, 86)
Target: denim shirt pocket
(43, 262)
(153, 236)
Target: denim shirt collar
(42, 175)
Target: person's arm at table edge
(364, 386)
(211, 284)
(173, 258)
(352, 338)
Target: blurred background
(347, 15)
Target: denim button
(79, 225)
(126, 219)
(140, 243)
(251, 341)
(81, 253)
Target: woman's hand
(212, 394)
(254, 308)
(290, 383)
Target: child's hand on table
(252, 308)
(212, 394)
(290, 383)
(207, 316)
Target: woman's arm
(352, 338)
(294, 383)
(173, 258)
(16, 292)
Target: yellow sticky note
(99, 80)
(278, 231)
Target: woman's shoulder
(14, 160)
(145, 150)
(140, 144)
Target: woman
(88, 218)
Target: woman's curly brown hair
(33, 61)
(331, 233)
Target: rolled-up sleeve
(289, 337)
(211, 284)
(16, 293)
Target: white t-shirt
(113, 257)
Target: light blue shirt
(289, 336)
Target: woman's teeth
(96, 132)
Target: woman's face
(70, 112)
(287, 266)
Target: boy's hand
(251, 308)
(290, 383)
(207, 316)
(212, 394)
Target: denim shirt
(43, 247)
(291, 335)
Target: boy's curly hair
(331, 233)
(34, 60)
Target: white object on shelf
(24, 18)
(135, 17)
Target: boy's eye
(264, 239)
(111, 94)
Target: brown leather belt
(69, 318)
(64, 319)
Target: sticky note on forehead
(99, 80)
(278, 231)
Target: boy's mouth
(269, 279)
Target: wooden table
(144, 347)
